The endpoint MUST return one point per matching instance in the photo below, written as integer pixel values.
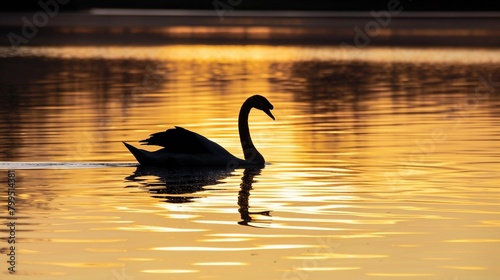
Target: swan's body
(182, 147)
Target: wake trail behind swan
(62, 165)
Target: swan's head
(261, 103)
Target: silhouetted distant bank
(395, 27)
(297, 5)
(156, 22)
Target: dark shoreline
(163, 27)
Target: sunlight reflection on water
(380, 165)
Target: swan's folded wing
(177, 140)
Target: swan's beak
(268, 112)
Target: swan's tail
(140, 155)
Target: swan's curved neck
(251, 154)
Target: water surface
(382, 163)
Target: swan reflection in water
(177, 185)
(182, 186)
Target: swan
(184, 148)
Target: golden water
(382, 163)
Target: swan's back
(182, 141)
(177, 140)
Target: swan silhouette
(184, 148)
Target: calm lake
(382, 163)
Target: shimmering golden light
(63, 240)
(105, 250)
(400, 274)
(271, 53)
(261, 247)
(327, 268)
(169, 271)
(80, 264)
(320, 175)
(137, 259)
(338, 256)
(220, 263)
(466, 267)
(226, 239)
(473, 240)
(146, 228)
